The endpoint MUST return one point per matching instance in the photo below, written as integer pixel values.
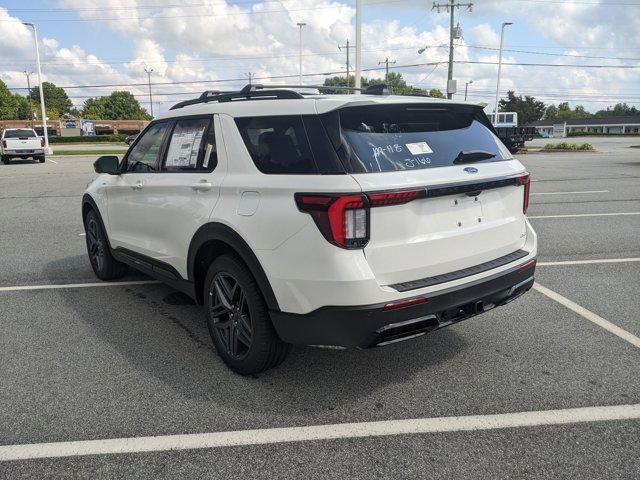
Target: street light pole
(28, 74)
(495, 111)
(47, 149)
(358, 77)
(466, 87)
(301, 25)
(149, 72)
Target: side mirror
(107, 164)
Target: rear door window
(385, 138)
(192, 146)
(278, 144)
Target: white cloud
(183, 44)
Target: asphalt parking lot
(88, 363)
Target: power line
(252, 12)
(371, 69)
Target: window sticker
(184, 147)
(419, 148)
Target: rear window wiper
(473, 156)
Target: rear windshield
(19, 134)
(385, 138)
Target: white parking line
(570, 193)
(589, 315)
(589, 262)
(76, 285)
(319, 432)
(52, 161)
(584, 215)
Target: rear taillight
(344, 219)
(42, 142)
(526, 181)
(4, 144)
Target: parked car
(335, 220)
(21, 143)
(129, 139)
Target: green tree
(93, 109)
(528, 108)
(56, 101)
(563, 112)
(23, 109)
(397, 84)
(8, 103)
(119, 105)
(620, 109)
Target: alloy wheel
(230, 316)
(96, 245)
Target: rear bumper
(370, 325)
(24, 153)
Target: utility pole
(451, 9)
(386, 63)
(495, 112)
(347, 47)
(47, 149)
(358, 79)
(149, 72)
(250, 76)
(466, 87)
(29, 96)
(301, 25)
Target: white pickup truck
(21, 143)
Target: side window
(143, 157)
(277, 144)
(192, 146)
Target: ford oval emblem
(471, 170)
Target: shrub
(568, 146)
(119, 138)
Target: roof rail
(267, 92)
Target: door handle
(202, 185)
(138, 185)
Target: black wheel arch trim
(88, 200)
(215, 231)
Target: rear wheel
(6, 159)
(104, 265)
(238, 319)
(40, 159)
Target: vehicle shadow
(162, 334)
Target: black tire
(104, 265)
(6, 159)
(241, 330)
(40, 159)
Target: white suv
(336, 220)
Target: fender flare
(88, 200)
(220, 232)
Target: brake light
(342, 219)
(42, 142)
(526, 181)
(4, 144)
(395, 198)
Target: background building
(606, 125)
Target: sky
(93, 47)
